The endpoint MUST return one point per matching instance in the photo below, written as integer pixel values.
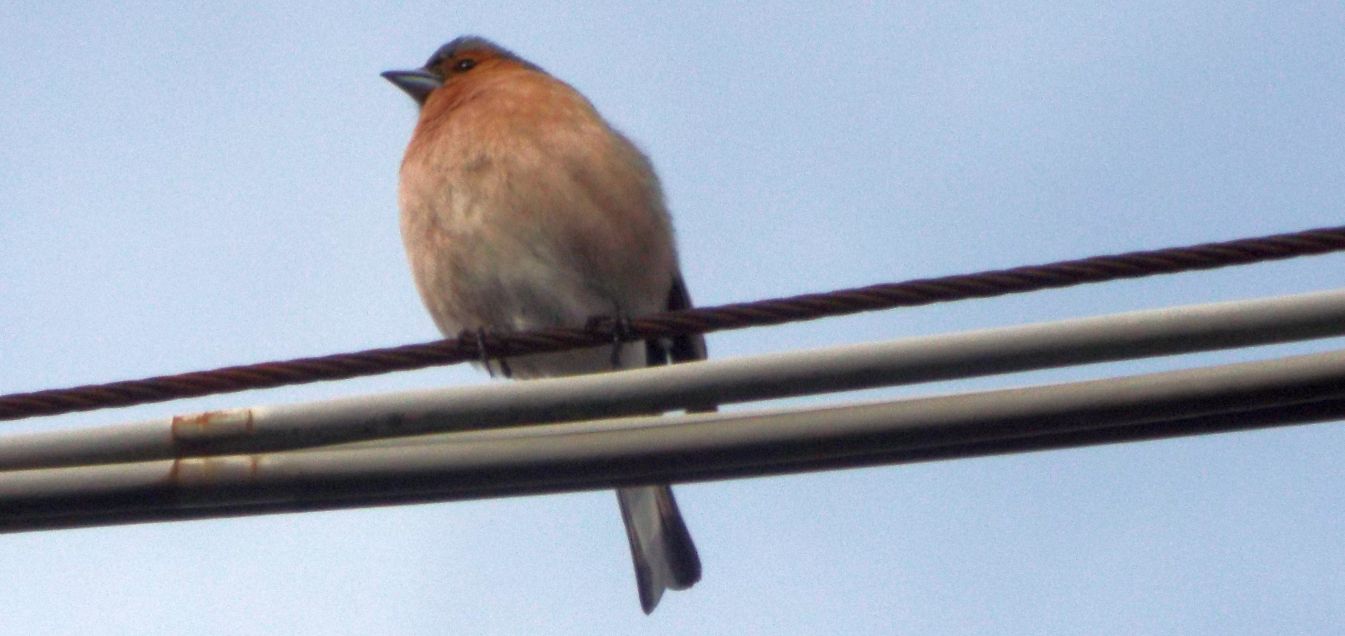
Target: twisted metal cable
(701, 320)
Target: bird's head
(458, 61)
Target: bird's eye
(464, 65)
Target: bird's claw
(481, 335)
(621, 333)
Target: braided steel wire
(475, 346)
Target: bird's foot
(621, 333)
(482, 335)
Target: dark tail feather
(665, 558)
(660, 545)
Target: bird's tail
(665, 558)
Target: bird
(523, 208)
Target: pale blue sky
(185, 188)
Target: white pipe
(680, 448)
(1036, 346)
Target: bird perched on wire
(522, 208)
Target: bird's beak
(417, 83)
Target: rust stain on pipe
(200, 475)
(212, 426)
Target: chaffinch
(522, 208)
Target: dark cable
(702, 320)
